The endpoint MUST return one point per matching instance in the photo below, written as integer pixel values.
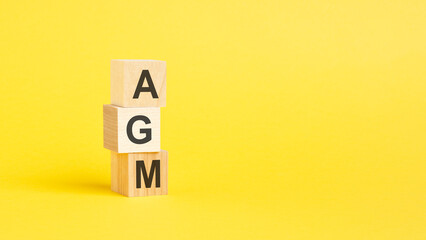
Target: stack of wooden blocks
(132, 127)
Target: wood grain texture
(116, 120)
(125, 76)
(110, 115)
(124, 171)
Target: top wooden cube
(138, 83)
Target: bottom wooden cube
(139, 174)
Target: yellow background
(284, 119)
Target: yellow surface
(284, 119)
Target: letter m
(141, 170)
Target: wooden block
(138, 83)
(139, 174)
(129, 130)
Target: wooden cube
(138, 83)
(129, 130)
(139, 174)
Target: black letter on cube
(150, 88)
(155, 167)
(147, 131)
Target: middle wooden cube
(128, 130)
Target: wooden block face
(138, 83)
(139, 174)
(128, 130)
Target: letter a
(150, 88)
